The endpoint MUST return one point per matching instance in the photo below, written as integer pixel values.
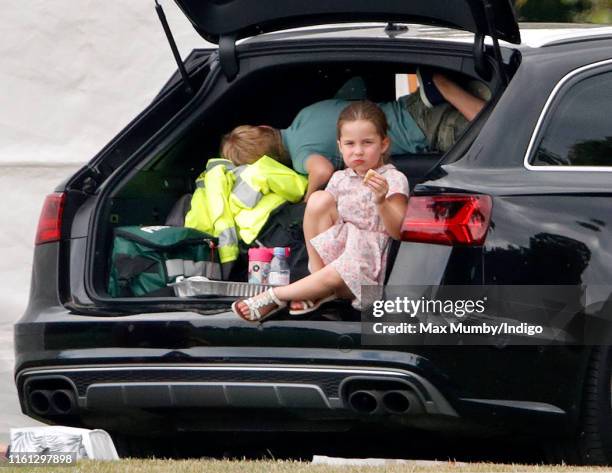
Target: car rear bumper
(187, 372)
(306, 389)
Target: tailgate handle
(227, 56)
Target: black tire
(129, 446)
(592, 444)
(202, 446)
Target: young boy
(431, 119)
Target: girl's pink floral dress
(356, 246)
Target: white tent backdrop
(72, 75)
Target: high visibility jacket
(210, 210)
(236, 201)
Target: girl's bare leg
(321, 213)
(319, 284)
(322, 283)
(319, 170)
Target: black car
(533, 166)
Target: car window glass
(579, 130)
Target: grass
(228, 466)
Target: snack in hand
(369, 175)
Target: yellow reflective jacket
(210, 210)
(230, 201)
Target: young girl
(348, 226)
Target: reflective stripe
(228, 245)
(239, 170)
(193, 268)
(174, 268)
(228, 237)
(189, 268)
(246, 194)
(200, 184)
(218, 162)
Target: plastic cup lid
(282, 251)
(260, 254)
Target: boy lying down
(431, 119)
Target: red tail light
(447, 219)
(50, 221)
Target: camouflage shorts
(442, 125)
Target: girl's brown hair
(368, 111)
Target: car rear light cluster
(447, 219)
(50, 221)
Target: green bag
(145, 259)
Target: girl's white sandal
(311, 306)
(255, 303)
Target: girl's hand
(379, 186)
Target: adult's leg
(319, 170)
(321, 213)
(469, 105)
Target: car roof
(537, 35)
(533, 35)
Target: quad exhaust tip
(365, 402)
(392, 401)
(63, 401)
(40, 401)
(397, 402)
(45, 402)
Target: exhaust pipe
(397, 402)
(45, 402)
(63, 401)
(365, 402)
(385, 401)
(40, 401)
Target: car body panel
(462, 379)
(533, 35)
(242, 18)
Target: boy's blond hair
(245, 144)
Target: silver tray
(196, 286)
